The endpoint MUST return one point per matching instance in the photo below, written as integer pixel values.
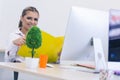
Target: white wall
(54, 14)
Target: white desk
(55, 73)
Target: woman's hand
(20, 41)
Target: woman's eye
(36, 19)
(29, 17)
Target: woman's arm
(15, 41)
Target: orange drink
(43, 61)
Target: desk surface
(56, 73)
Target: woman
(29, 17)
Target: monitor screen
(114, 35)
(83, 25)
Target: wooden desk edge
(3, 65)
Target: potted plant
(33, 41)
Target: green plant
(34, 39)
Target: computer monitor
(83, 25)
(114, 35)
(114, 40)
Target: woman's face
(29, 20)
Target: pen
(86, 66)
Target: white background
(53, 14)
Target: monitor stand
(100, 63)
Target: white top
(11, 50)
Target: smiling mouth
(30, 25)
